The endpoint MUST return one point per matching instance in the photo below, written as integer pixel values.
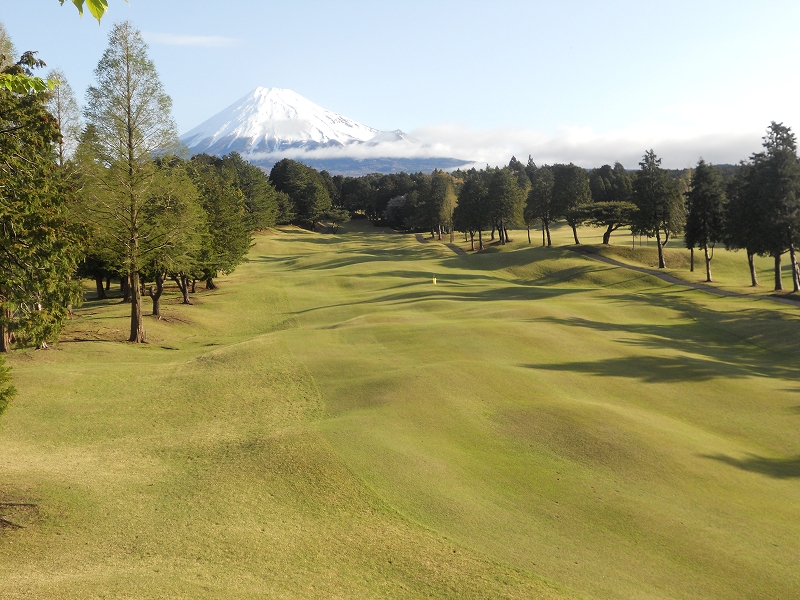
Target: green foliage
(610, 184)
(305, 187)
(97, 7)
(705, 202)
(63, 106)
(472, 212)
(262, 204)
(336, 216)
(660, 208)
(39, 244)
(223, 202)
(540, 204)
(570, 192)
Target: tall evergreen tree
(39, 246)
(660, 209)
(131, 117)
(540, 203)
(704, 212)
(472, 211)
(570, 192)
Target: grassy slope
(329, 423)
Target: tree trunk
(5, 334)
(543, 238)
(778, 278)
(101, 292)
(529, 234)
(194, 286)
(793, 258)
(691, 259)
(492, 237)
(480, 239)
(505, 231)
(752, 263)
(575, 235)
(471, 240)
(124, 284)
(210, 284)
(661, 263)
(183, 285)
(607, 235)
(156, 295)
(108, 284)
(708, 263)
(137, 332)
(547, 229)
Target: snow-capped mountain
(272, 123)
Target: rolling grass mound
(330, 423)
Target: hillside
(330, 423)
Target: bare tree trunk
(194, 286)
(156, 295)
(210, 284)
(691, 259)
(543, 238)
(5, 333)
(778, 277)
(108, 284)
(752, 263)
(547, 229)
(472, 240)
(661, 263)
(575, 235)
(505, 231)
(492, 237)
(101, 293)
(137, 332)
(607, 235)
(124, 285)
(795, 275)
(183, 285)
(529, 234)
(708, 263)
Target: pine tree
(660, 209)
(704, 212)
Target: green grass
(331, 424)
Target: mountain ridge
(269, 124)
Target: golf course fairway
(330, 423)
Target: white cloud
(203, 41)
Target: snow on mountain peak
(274, 119)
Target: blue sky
(588, 82)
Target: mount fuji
(269, 124)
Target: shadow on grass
(778, 468)
(649, 369)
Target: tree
(611, 215)
(39, 245)
(228, 239)
(472, 211)
(131, 117)
(261, 202)
(704, 211)
(570, 192)
(743, 221)
(660, 209)
(305, 188)
(776, 176)
(506, 201)
(63, 106)
(336, 216)
(540, 203)
(7, 50)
